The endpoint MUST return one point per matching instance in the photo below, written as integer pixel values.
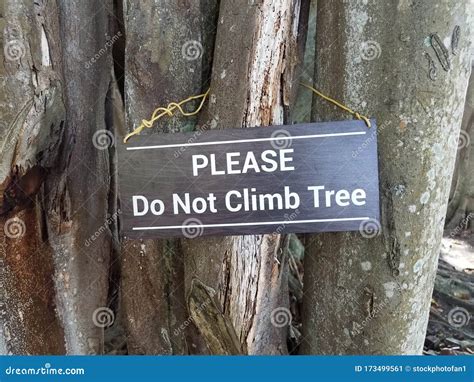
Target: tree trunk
(366, 294)
(32, 115)
(252, 84)
(167, 59)
(54, 280)
(460, 213)
(77, 195)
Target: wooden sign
(300, 178)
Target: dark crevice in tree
(113, 105)
(211, 9)
(157, 74)
(460, 214)
(118, 50)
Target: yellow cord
(340, 105)
(173, 105)
(168, 111)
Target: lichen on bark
(370, 57)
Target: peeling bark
(252, 84)
(372, 296)
(216, 327)
(32, 115)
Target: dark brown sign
(300, 178)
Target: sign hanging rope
(340, 105)
(162, 111)
(168, 111)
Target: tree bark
(252, 83)
(57, 279)
(460, 215)
(32, 115)
(78, 203)
(372, 295)
(167, 59)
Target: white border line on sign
(248, 224)
(247, 140)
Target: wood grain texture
(254, 41)
(214, 326)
